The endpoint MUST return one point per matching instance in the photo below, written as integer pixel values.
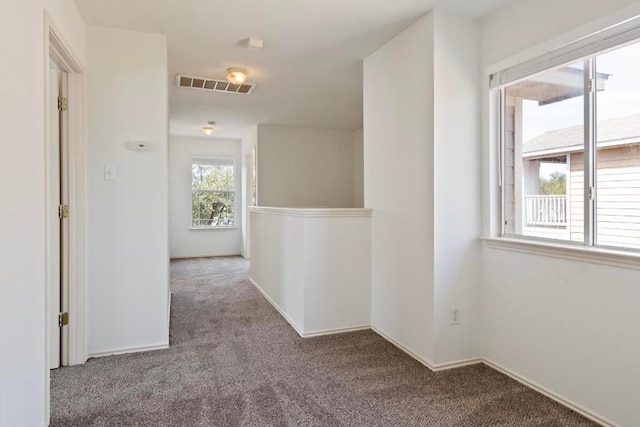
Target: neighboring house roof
(618, 131)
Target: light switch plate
(109, 172)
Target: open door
(58, 220)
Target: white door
(58, 238)
(52, 217)
(64, 221)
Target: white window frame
(214, 160)
(586, 48)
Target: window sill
(235, 227)
(609, 257)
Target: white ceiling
(309, 72)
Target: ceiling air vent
(213, 84)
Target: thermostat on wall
(138, 145)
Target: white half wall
(277, 262)
(127, 218)
(314, 266)
(184, 241)
(337, 260)
(398, 182)
(302, 167)
(571, 327)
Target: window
(213, 193)
(570, 143)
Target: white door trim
(56, 48)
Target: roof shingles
(620, 128)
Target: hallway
(234, 361)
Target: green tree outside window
(212, 193)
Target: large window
(212, 193)
(570, 148)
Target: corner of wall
(457, 195)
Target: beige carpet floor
(234, 361)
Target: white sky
(620, 98)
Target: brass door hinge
(63, 319)
(63, 104)
(63, 211)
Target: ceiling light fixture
(209, 128)
(236, 76)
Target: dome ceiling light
(209, 128)
(236, 76)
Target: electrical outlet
(455, 316)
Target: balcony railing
(545, 211)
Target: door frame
(57, 49)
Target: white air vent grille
(213, 84)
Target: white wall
(421, 179)
(22, 293)
(569, 326)
(23, 377)
(67, 19)
(398, 183)
(304, 167)
(185, 242)
(522, 25)
(572, 327)
(358, 169)
(456, 186)
(127, 219)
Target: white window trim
(212, 160)
(573, 252)
(613, 36)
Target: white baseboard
(169, 316)
(298, 329)
(531, 384)
(282, 313)
(202, 256)
(336, 331)
(129, 350)
(457, 364)
(410, 352)
(550, 394)
(435, 367)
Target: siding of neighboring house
(618, 196)
(575, 190)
